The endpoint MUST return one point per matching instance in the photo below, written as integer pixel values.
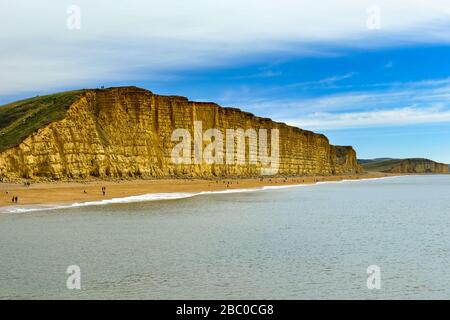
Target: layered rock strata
(127, 132)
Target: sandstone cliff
(126, 132)
(412, 165)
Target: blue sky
(396, 100)
(316, 65)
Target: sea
(385, 238)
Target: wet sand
(71, 192)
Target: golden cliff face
(126, 132)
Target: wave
(130, 199)
(165, 196)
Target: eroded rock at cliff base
(126, 132)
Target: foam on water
(163, 196)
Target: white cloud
(125, 40)
(377, 118)
(326, 82)
(425, 101)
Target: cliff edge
(126, 132)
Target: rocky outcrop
(419, 166)
(127, 132)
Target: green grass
(20, 119)
(366, 161)
(383, 165)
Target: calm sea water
(296, 243)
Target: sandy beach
(70, 192)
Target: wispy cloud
(121, 41)
(426, 101)
(255, 99)
(323, 83)
(377, 118)
(262, 74)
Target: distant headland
(408, 165)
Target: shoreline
(44, 195)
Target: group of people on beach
(14, 199)
(103, 191)
(269, 180)
(228, 183)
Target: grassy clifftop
(20, 119)
(379, 165)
